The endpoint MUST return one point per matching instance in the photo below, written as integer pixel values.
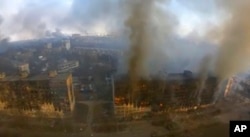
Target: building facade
(33, 92)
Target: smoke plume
(138, 21)
(34, 19)
(234, 51)
(159, 48)
(146, 39)
(203, 74)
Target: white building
(67, 66)
(66, 44)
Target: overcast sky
(223, 22)
(194, 17)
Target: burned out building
(31, 92)
(176, 90)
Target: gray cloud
(40, 18)
(199, 6)
(85, 14)
(33, 18)
(234, 51)
(1, 19)
(151, 34)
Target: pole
(113, 90)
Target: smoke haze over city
(123, 67)
(192, 30)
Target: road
(88, 132)
(144, 128)
(91, 104)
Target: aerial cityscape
(122, 68)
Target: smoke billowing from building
(137, 22)
(36, 19)
(203, 75)
(234, 51)
(231, 36)
(149, 28)
(154, 44)
(33, 19)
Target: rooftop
(36, 77)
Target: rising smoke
(234, 51)
(203, 75)
(153, 43)
(231, 36)
(139, 37)
(35, 19)
(31, 19)
(149, 27)
(234, 48)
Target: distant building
(66, 44)
(24, 68)
(180, 76)
(76, 35)
(32, 93)
(67, 66)
(48, 45)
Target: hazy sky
(194, 17)
(223, 21)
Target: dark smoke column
(138, 22)
(234, 52)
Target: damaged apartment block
(32, 93)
